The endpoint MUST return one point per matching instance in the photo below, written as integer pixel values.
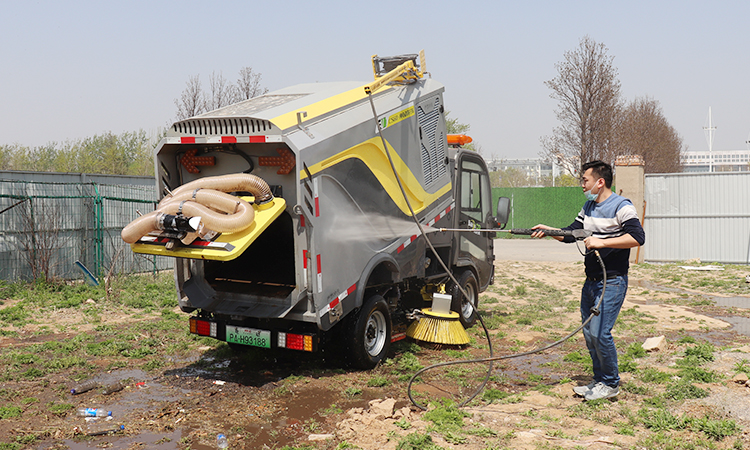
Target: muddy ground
(182, 391)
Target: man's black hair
(599, 169)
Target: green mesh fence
(553, 206)
(46, 227)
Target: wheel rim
(375, 332)
(467, 305)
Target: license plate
(248, 336)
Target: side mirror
(503, 212)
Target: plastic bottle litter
(96, 429)
(221, 441)
(93, 412)
(112, 388)
(84, 387)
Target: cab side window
(475, 191)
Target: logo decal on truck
(392, 119)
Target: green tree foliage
(453, 126)
(130, 153)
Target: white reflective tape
(213, 139)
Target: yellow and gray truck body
(336, 252)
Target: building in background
(716, 161)
(534, 168)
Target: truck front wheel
(466, 308)
(370, 333)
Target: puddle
(736, 302)
(162, 441)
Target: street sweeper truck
(299, 219)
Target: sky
(75, 69)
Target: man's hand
(593, 243)
(540, 231)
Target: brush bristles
(438, 331)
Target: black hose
(440, 260)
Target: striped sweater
(611, 218)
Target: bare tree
(40, 240)
(192, 101)
(588, 94)
(248, 84)
(223, 93)
(645, 131)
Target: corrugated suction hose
(207, 198)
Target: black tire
(370, 333)
(467, 314)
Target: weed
(634, 388)
(742, 366)
(577, 357)
(683, 389)
(489, 395)
(481, 432)
(661, 420)
(651, 375)
(403, 424)
(716, 429)
(378, 381)
(416, 441)
(699, 374)
(446, 416)
(59, 408)
(624, 428)
(352, 391)
(7, 412)
(687, 340)
(697, 355)
(333, 409)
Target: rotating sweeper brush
(438, 324)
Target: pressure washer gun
(579, 234)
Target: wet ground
(273, 399)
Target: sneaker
(581, 390)
(601, 390)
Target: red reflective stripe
(319, 270)
(187, 140)
(334, 303)
(257, 139)
(400, 248)
(413, 238)
(302, 221)
(317, 207)
(304, 259)
(228, 140)
(351, 289)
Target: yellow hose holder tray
(226, 247)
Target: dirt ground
(274, 399)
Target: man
(615, 228)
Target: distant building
(716, 161)
(534, 168)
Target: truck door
(474, 212)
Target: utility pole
(709, 130)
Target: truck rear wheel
(466, 308)
(370, 333)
